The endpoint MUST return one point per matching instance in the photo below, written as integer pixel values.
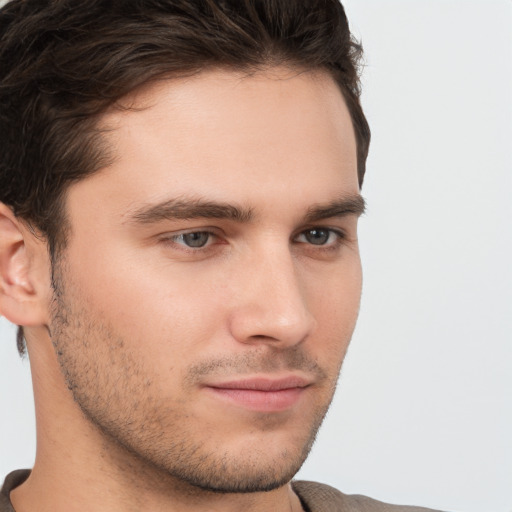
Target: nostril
(263, 337)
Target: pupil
(317, 236)
(197, 239)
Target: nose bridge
(272, 304)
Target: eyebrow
(353, 204)
(187, 209)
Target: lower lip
(261, 401)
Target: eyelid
(339, 232)
(173, 238)
(200, 229)
(216, 237)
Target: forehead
(222, 134)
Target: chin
(232, 477)
(257, 465)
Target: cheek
(335, 306)
(337, 289)
(161, 312)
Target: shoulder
(317, 497)
(12, 480)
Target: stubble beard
(149, 437)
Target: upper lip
(264, 383)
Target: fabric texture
(12, 480)
(317, 497)
(314, 497)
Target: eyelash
(339, 235)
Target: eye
(319, 236)
(194, 239)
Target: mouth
(261, 394)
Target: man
(179, 202)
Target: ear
(24, 282)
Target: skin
(138, 326)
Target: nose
(271, 305)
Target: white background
(423, 414)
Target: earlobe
(20, 297)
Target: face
(211, 283)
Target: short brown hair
(65, 62)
